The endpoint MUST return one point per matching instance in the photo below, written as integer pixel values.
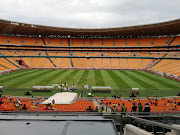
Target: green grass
(121, 82)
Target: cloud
(89, 13)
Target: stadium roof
(164, 28)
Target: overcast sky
(89, 13)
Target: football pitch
(121, 82)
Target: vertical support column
(44, 63)
(110, 64)
(94, 63)
(118, 63)
(78, 62)
(86, 63)
(61, 63)
(102, 62)
(127, 63)
(141, 64)
(31, 62)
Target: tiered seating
(162, 104)
(132, 41)
(47, 63)
(27, 60)
(14, 40)
(59, 42)
(39, 41)
(52, 59)
(79, 54)
(97, 42)
(176, 41)
(53, 41)
(98, 62)
(161, 41)
(38, 62)
(123, 63)
(75, 62)
(114, 63)
(47, 41)
(11, 106)
(30, 41)
(145, 62)
(3, 39)
(106, 63)
(2, 68)
(79, 105)
(82, 62)
(7, 64)
(90, 63)
(145, 41)
(120, 42)
(168, 66)
(65, 63)
(57, 61)
(108, 42)
(6, 53)
(134, 63)
(87, 42)
(125, 54)
(76, 42)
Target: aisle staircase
(106, 108)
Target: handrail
(101, 47)
(154, 123)
(125, 57)
(175, 116)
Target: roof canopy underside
(165, 28)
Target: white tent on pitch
(62, 98)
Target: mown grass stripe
(108, 80)
(9, 75)
(165, 83)
(15, 76)
(83, 79)
(70, 76)
(174, 82)
(118, 80)
(99, 79)
(139, 81)
(26, 80)
(45, 79)
(34, 82)
(91, 78)
(130, 82)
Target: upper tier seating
(159, 41)
(63, 62)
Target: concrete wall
(132, 130)
(173, 132)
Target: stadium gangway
(153, 123)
